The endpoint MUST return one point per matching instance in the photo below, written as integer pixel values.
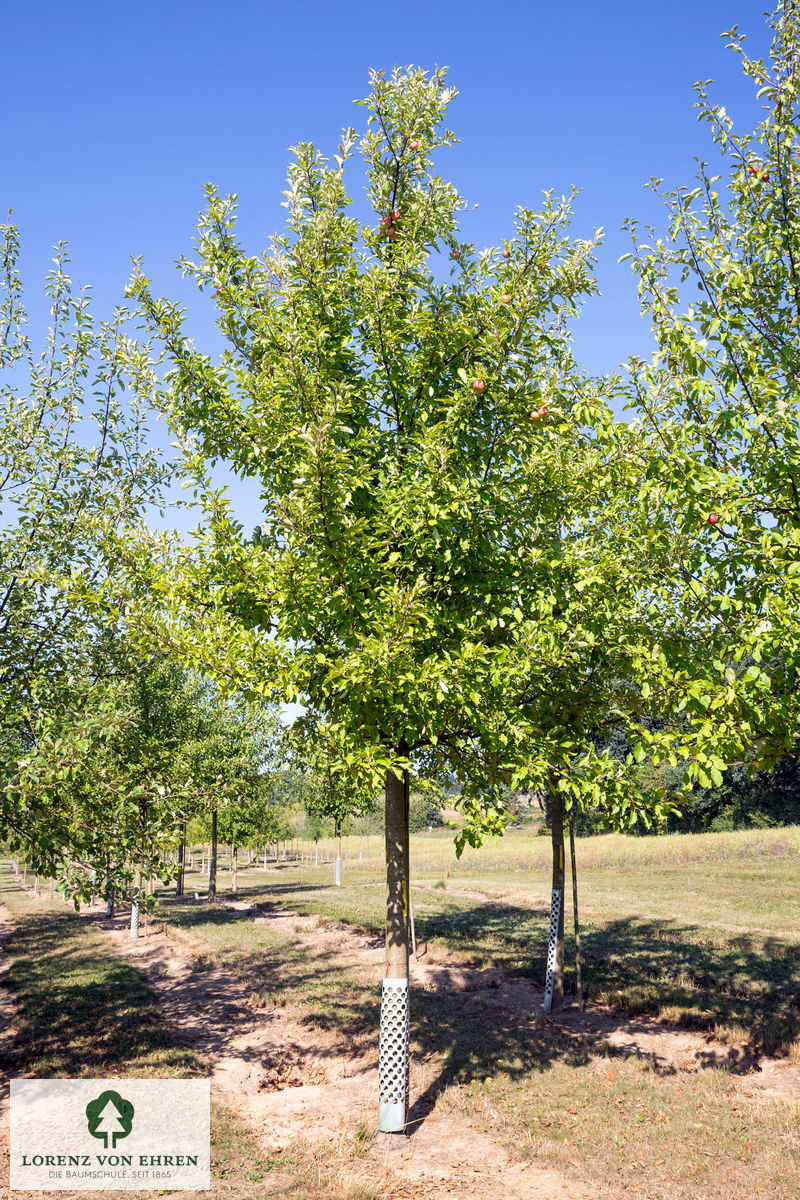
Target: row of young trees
(467, 564)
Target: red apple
(413, 145)
(753, 171)
(505, 298)
(765, 177)
(386, 221)
(543, 411)
(506, 254)
(535, 414)
(479, 385)
(713, 518)
(456, 254)
(393, 234)
(395, 214)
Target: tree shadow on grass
(82, 1011)
(94, 1014)
(466, 1030)
(751, 986)
(683, 973)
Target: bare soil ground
(300, 1083)
(7, 1034)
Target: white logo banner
(110, 1134)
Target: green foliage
(720, 400)
(745, 800)
(75, 477)
(111, 777)
(451, 572)
(423, 812)
(75, 472)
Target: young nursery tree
(75, 471)
(446, 573)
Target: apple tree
(76, 474)
(449, 572)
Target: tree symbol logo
(109, 1116)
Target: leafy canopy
(447, 571)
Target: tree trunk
(212, 859)
(134, 929)
(393, 1048)
(578, 962)
(181, 863)
(554, 982)
(337, 870)
(234, 868)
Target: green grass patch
(82, 1011)
(631, 1132)
(696, 929)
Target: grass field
(699, 929)
(82, 1011)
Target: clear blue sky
(116, 114)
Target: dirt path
(295, 1081)
(291, 1081)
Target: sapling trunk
(212, 859)
(554, 982)
(578, 963)
(134, 930)
(337, 871)
(181, 862)
(393, 1049)
(234, 868)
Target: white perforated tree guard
(393, 1056)
(552, 947)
